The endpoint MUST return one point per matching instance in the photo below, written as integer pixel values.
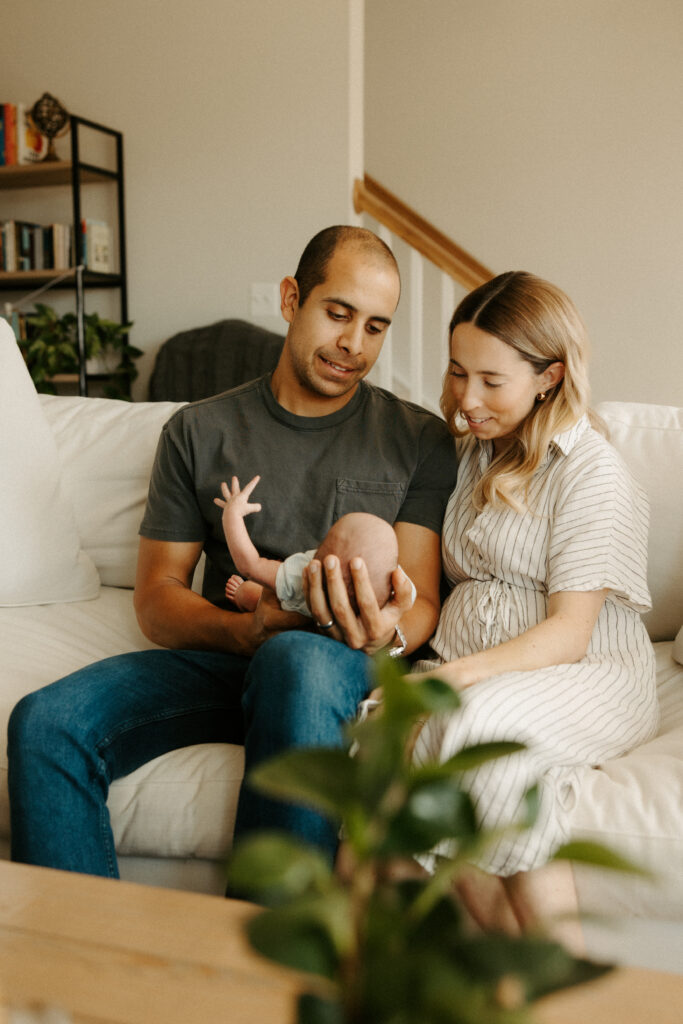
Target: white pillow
(678, 647)
(650, 440)
(41, 561)
(107, 449)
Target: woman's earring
(541, 396)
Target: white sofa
(73, 481)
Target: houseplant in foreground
(383, 947)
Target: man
(325, 443)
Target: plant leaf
(313, 1009)
(540, 965)
(277, 866)
(404, 699)
(434, 810)
(321, 777)
(473, 757)
(585, 852)
(310, 934)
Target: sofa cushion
(678, 647)
(106, 449)
(181, 804)
(650, 440)
(634, 805)
(40, 551)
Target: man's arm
(419, 552)
(172, 615)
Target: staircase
(435, 274)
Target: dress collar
(566, 439)
(562, 442)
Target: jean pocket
(382, 498)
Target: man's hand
(269, 619)
(374, 627)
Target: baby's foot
(232, 586)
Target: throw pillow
(40, 550)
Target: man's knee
(32, 722)
(299, 672)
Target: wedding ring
(325, 625)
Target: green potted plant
(51, 348)
(380, 947)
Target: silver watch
(399, 645)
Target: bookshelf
(74, 174)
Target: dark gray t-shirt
(378, 454)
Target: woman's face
(493, 386)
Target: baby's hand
(236, 500)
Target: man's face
(335, 337)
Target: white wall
(237, 146)
(546, 135)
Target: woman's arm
(562, 638)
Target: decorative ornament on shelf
(51, 119)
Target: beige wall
(235, 117)
(547, 135)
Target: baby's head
(362, 535)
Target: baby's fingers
(250, 486)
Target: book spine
(10, 133)
(9, 238)
(2, 134)
(48, 247)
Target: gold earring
(541, 396)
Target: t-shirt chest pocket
(380, 497)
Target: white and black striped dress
(586, 530)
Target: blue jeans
(68, 741)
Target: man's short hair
(312, 269)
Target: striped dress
(586, 530)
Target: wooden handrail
(372, 198)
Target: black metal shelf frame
(83, 279)
(80, 278)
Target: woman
(544, 545)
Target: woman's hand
(458, 674)
(374, 627)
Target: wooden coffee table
(117, 953)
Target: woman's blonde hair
(542, 324)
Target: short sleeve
(433, 480)
(598, 534)
(173, 512)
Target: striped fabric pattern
(585, 529)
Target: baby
(357, 534)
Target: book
(38, 249)
(10, 119)
(9, 246)
(97, 246)
(48, 248)
(24, 245)
(31, 145)
(2, 134)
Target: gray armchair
(204, 361)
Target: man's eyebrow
(354, 309)
(486, 373)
